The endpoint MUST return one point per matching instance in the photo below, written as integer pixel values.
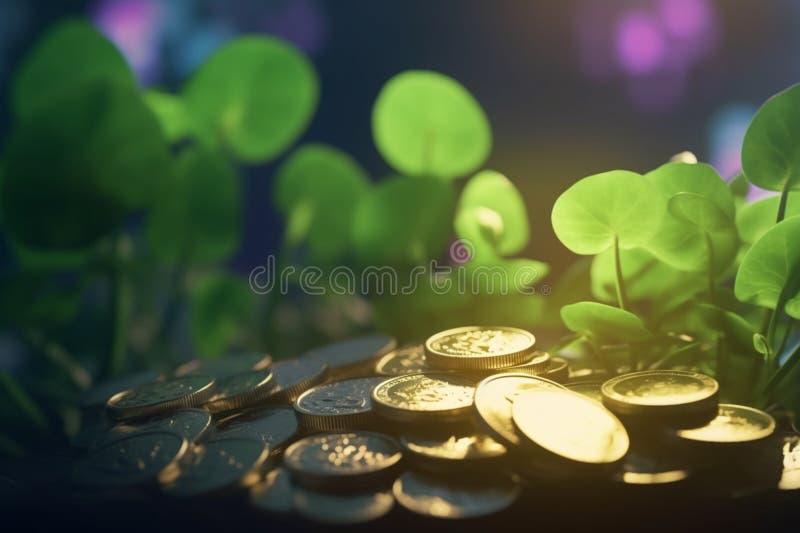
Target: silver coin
(190, 424)
(275, 494)
(241, 390)
(346, 356)
(445, 498)
(337, 460)
(219, 464)
(292, 377)
(274, 426)
(154, 398)
(338, 509)
(134, 460)
(337, 406)
(226, 366)
(99, 394)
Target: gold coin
(424, 396)
(241, 390)
(733, 424)
(571, 426)
(405, 360)
(479, 348)
(160, 397)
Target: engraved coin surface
(570, 426)
(339, 509)
(430, 496)
(419, 396)
(405, 360)
(660, 391)
(494, 397)
(190, 424)
(479, 348)
(147, 400)
(340, 459)
(337, 406)
(226, 366)
(733, 424)
(241, 390)
(274, 426)
(292, 377)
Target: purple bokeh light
(640, 43)
(685, 19)
(134, 26)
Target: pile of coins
(457, 427)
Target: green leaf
(478, 229)
(318, 188)
(770, 270)
(427, 124)
(760, 344)
(71, 55)
(604, 322)
(739, 187)
(771, 147)
(792, 307)
(698, 210)
(681, 242)
(170, 112)
(197, 212)
(221, 308)
(491, 204)
(589, 215)
(403, 221)
(75, 168)
(506, 276)
(255, 94)
(753, 220)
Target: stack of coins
(460, 426)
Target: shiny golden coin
(342, 461)
(590, 389)
(571, 426)
(479, 348)
(338, 406)
(161, 397)
(446, 498)
(494, 397)
(241, 390)
(341, 509)
(453, 451)
(424, 397)
(733, 424)
(668, 393)
(405, 360)
(226, 366)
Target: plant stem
(622, 297)
(786, 333)
(782, 372)
(783, 201)
(120, 303)
(710, 248)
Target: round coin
(352, 357)
(191, 424)
(226, 366)
(539, 363)
(337, 406)
(292, 377)
(424, 397)
(442, 498)
(673, 394)
(340, 509)
(570, 426)
(733, 424)
(160, 397)
(241, 390)
(274, 426)
(590, 389)
(405, 360)
(99, 394)
(137, 459)
(275, 494)
(342, 461)
(453, 451)
(494, 397)
(479, 348)
(219, 464)
(790, 448)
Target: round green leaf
(170, 112)
(593, 212)
(76, 167)
(403, 221)
(698, 210)
(427, 124)
(255, 94)
(70, 55)
(492, 205)
(604, 322)
(197, 212)
(771, 147)
(221, 309)
(753, 220)
(318, 188)
(770, 269)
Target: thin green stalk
(783, 201)
(120, 305)
(622, 296)
(782, 372)
(786, 333)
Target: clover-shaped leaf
(604, 322)
(597, 210)
(221, 309)
(491, 208)
(197, 212)
(771, 147)
(698, 210)
(427, 124)
(255, 94)
(754, 219)
(170, 112)
(322, 185)
(403, 221)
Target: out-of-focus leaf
(221, 307)
(255, 94)
(598, 209)
(322, 186)
(760, 344)
(739, 187)
(700, 211)
(604, 322)
(170, 112)
(403, 221)
(197, 213)
(427, 124)
(71, 55)
(753, 220)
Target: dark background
(571, 87)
